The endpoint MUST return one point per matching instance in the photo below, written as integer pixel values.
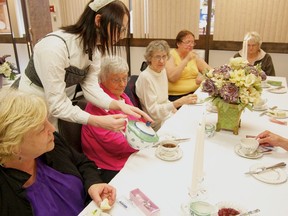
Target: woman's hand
(115, 122)
(188, 99)
(98, 192)
(269, 138)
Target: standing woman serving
(77, 49)
(184, 66)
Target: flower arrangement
(7, 68)
(237, 82)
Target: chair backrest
(130, 90)
(70, 131)
(144, 65)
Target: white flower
(5, 69)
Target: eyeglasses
(158, 57)
(120, 80)
(189, 42)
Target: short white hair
(112, 64)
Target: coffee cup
(168, 148)
(249, 145)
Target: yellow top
(187, 80)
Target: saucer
(177, 156)
(255, 155)
(271, 176)
(261, 108)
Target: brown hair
(181, 35)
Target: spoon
(249, 212)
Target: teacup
(201, 208)
(260, 103)
(249, 145)
(168, 148)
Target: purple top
(55, 193)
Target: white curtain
(233, 18)
(164, 18)
(72, 9)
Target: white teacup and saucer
(260, 104)
(169, 150)
(248, 148)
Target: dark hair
(112, 14)
(181, 35)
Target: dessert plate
(255, 155)
(277, 113)
(269, 176)
(162, 156)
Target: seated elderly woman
(108, 149)
(152, 85)
(255, 55)
(39, 173)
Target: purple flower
(263, 75)
(230, 93)
(223, 70)
(209, 87)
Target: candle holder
(200, 191)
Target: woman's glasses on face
(189, 42)
(159, 58)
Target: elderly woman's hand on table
(269, 138)
(98, 192)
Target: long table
(167, 183)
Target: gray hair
(112, 64)
(254, 37)
(154, 46)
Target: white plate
(278, 117)
(167, 158)
(255, 155)
(271, 176)
(277, 91)
(262, 108)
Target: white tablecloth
(166, 183)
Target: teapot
(139, 135)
